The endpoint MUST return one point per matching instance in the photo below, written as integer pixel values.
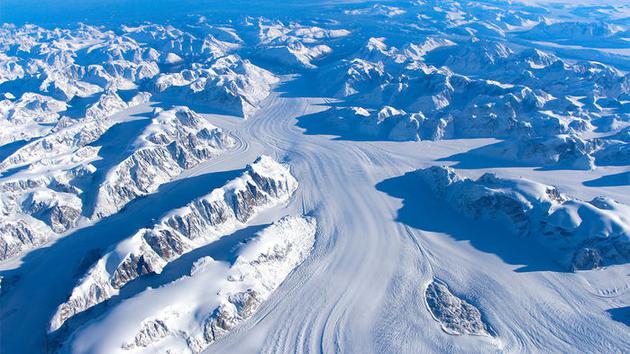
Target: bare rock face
(36, 208)
(62, 91)
(60, 211)
(265, 184)
(455, 315)
(587, 258)
(62, 218)
(55, 172)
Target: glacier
(325, 176)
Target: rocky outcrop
(263, 185)
(35, 208)
(584, 235)
(39, 198)
(150, 332)
(56, 172)
(60, 211)
(194, 311)
(456, 316)
(62, 89)
(176, 140)
(20, 235)
(229, 84)
(263, 263)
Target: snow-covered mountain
(294, 45)
(365, 176)
(229, 84)
(586, 235)
(265, 184)
(211, 301)
(49, 180)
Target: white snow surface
(175, 140)
(293, 44)
(466, 164)
(229, 84)
(586, 234)
(265, 184)
(211, 301)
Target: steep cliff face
(264, 184)
(36, 207)
(192, 312)
(20, 235)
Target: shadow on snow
(54, 267)
(620, 314)
(615, 180)
(114, 150)
(220, 250)
(422, 210)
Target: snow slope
(136, 225)
(211, 301)
(265, 184)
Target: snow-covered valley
(237, 183)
